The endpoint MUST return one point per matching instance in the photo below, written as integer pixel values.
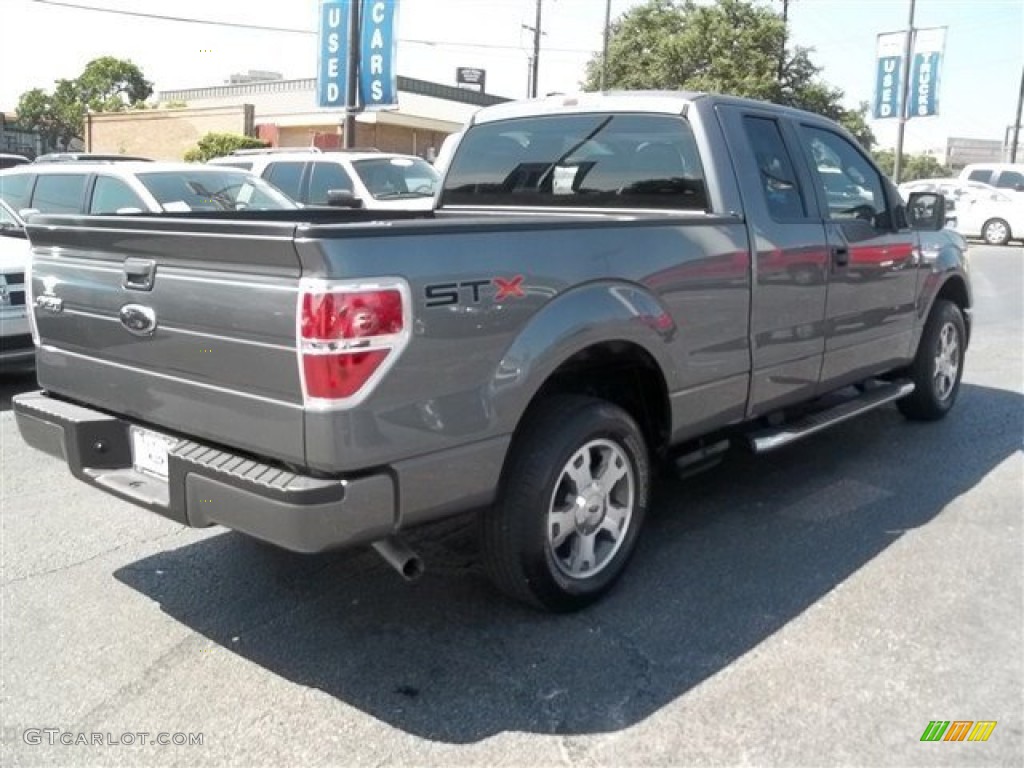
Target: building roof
(406, 84)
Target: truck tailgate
(182, 324)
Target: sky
(41, 42)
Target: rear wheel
(996, 232)
(938, 365)
(574, 495)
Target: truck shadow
(727, 559)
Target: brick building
(285, 114)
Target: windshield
(394, 178)
(206, 190)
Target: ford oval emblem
(138, 319)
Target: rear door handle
(138, 274)
(841, 255)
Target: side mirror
(128, 210)
(926, 211)
(24, 213)
(343, 198)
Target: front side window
(325, 177)
(851, 187)
(111, 195)
(1010, 180)
(229, 190)
(59, 193)
(395, 178)
(982, 175)
(590, 160)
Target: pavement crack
(97, 556)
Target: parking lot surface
(818, 606)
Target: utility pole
(352, 84)
(1016, 125)
(905, 101)
(536, 53)
(785, 34)
(604, 48)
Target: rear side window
(110, 195)
(591, 160)
(59, 193)
(285, 176)
(980, 175)
(327, 176)
(775, 169)
(15, 189)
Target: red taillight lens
(333, 316)
(337, 376)
(345, 336)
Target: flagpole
(905, 101)
(352, 84)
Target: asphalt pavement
(817, 606)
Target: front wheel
(938, 365)
(574, 495)
(996, 232)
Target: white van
(1006, 176)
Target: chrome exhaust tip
(400, 557)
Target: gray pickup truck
(609, 283)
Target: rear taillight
(349, 334)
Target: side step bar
(766, 440)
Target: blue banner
(378, 75)
(888, 75)
(929, 47)
(332, 73)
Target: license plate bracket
(150, 450)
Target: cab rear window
(589, 160)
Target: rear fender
(594, 313)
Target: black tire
(996, 232)
(933, 396)
(517, 553)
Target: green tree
(109, 84)
(56, 116)
(731, 47)
(220, 144)
(913, 166)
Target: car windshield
(393, 178)
(208, 190)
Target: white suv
(16, 348)
(354, 178)
(134, 187)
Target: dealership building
(284, 113)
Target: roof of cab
(654, 102)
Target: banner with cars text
(377, 72)
(929, 47)
(888, 75)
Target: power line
(286, 30)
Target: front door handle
(841, 255)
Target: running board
(766, 440)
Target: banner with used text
(332, 72)
(889, 75)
